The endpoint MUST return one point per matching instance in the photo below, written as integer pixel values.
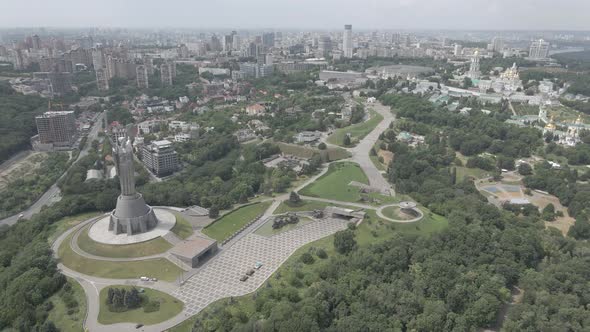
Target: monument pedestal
(132, 216)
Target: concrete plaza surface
(99, 232)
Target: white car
(144, 278)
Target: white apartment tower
(347, 41)
(539, 49)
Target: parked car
(258, 265)
(250, 272)
(138, 326)
(144, 278)
(244, 278)
(154, 279)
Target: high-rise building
(268, 39)
(142, 77)
(102, 79)
(98, 58)
(166, 73)
(539, 49)
(56, 127)
(497, 44)
(324, 47)
(228, 41)
(253, 50)
(458, 50)
(36, 42)
(60, 83)
(182, 51)
(160, 158)
(347, 41)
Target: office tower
(102, 79)
(268, 39)
(497, 44)
(254, 50)
(347, 41)
(166, 73)
(160, 158)
(57, 128)
(141, 74)
(458, 50)
(236, 43)
(215, 44)
(539, 49)
(324, 47)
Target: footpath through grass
(147, 248)
(334, 184)
(231, 222)
(329, 154)
(159, 268)
(169, 307)
(357, 131)
(69, 307)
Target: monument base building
(132, 216)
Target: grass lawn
(230, 223)
(477, 173)
(147, 248)
(376, 229)
(334, 184)
(330, 154)
(66, 223)
(182, 228)
(159, 268)
(169, 307)
(357, 131)
(267, 230)
(68, 319)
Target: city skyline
(305, 14)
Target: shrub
(322, 253)
(151, 306)
(307, 258)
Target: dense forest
(17, 120)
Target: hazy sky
(325, 14)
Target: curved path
(382, 216)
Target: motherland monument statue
(131, 215)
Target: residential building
(57, 128)
(160, 158)
(255, 110)
(142, 77)
(539, 49)
(347, 41)
(166, 73)
(102, 79)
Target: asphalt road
(53, 194)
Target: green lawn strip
(334, 184)
(59, 227)
(477, 173)
(147, 248)
(169, 307)
(267, 230)
(369, 232)
(357, 131)
(306, 205)
(68, 319)
(330, 154)
(159, 268)
(183, 229)
(230, 223)
(429, 224)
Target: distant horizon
(455, 15)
